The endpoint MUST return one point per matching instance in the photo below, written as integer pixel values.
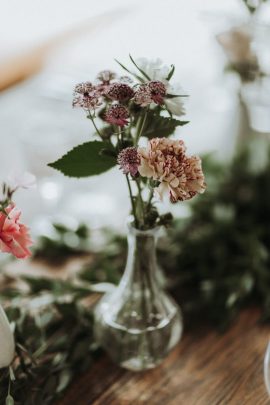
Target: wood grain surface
(206, 368)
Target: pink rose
(14, 236)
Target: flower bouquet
(133, 117)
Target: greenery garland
(217, 261)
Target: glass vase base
(137, 349)
(138, 322)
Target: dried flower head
(120, 92)
(237, 45)
(165, 160)
(105, 76)
(84, 88)
(117, 114)
(129, 160)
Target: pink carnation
(165, 160)
(14, 236)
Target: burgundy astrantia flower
(87, 96)
(157, 90)
(129, 160)
(117, 114)
(105, 76)
(143, 96)
(153, 91)
(120, 92)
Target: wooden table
(205, 369)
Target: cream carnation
(165, 161)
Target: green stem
(140, 128)
(150, 198)
(140, 198)
(9, 384)
(132, 202)
(93, 122)
(119, 137)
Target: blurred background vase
(138, 323)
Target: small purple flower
(129, 160)
(117, 114)
(120, 92)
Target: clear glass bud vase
(138, 323)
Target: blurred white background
(38, 123)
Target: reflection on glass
(267, 368)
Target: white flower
(21, 180)
(7, 344)
(156, 70)
(175, 105)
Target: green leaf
(157, 126)
(140, 70)
(85, 160)
(9, 400)
(168, 95)
(127, 70)
(170, 73)
(64, 380)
